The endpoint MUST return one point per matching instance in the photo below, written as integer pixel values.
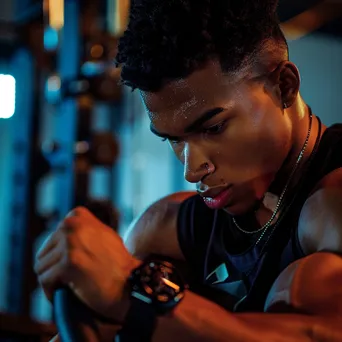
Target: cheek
(272, 148)
(276, 143)
(254, 146)
(270, 131)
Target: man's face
(229, 132)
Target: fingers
(81, 212)
(64, 231)
(60, 255)
(54, 258)
(48, 260)
(67, 225)
(63, 272)
(50, 242)
(52, 279)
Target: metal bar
(68, 66)
(23, 127)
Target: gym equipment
(75, 322)
(101, 150)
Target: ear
(287, 79)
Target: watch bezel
(139, 287)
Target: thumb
(55, 339)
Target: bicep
(155, 231)
(310, 285)
(320, 222)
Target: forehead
(184, 99)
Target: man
(263, 236)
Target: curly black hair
(168, 39)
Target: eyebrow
(206, 116)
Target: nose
(195, 175)
(196, 167)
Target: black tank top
(240, 280)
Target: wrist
(121, 307)
(155, 289)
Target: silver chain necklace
(281, 198)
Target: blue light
(50, 39)
(91, 69)
(7, 96)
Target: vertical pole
(68, 66)
(23, 131)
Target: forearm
(107, 332)
(197, 319)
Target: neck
(299, 114)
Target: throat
(265, 211)
(264, 215)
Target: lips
(217, 199)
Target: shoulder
(155, 230)
(302, 286)
(320, 222)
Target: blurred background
(71, 135)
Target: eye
(172, 141)
(215, 129)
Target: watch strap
(139, 323)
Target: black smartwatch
(156, 288)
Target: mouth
(219, 200)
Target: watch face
(158, 282)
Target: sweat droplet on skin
(186, 106)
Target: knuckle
(48, 280)
(70, 221)
(42, 249)
(44, 280)
(79, 211)
(69, 224)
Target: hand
(91, 259)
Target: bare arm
(305, 302)
(196, 319)
(153, 232)
(302, 287)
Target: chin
(239, 209)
